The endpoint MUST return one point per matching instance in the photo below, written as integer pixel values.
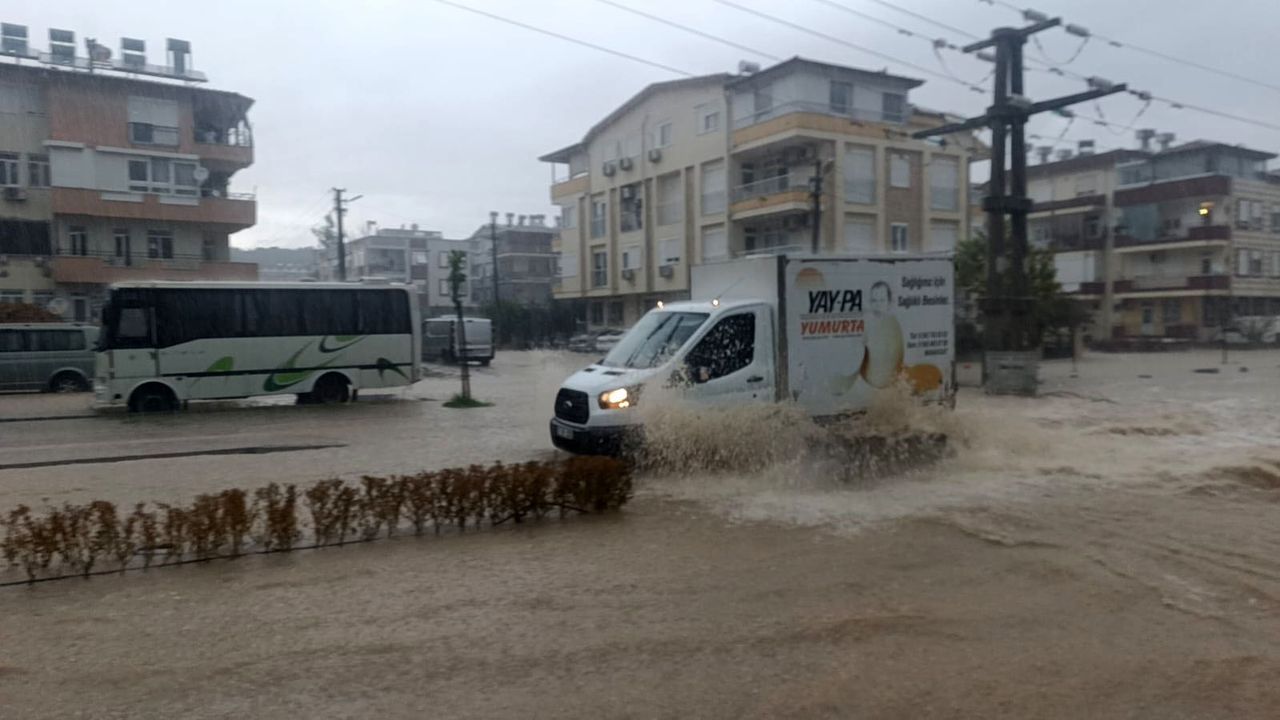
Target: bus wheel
(68, 382)
(152, 399)
(331, 389)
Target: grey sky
(437, 115)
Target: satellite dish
(201, 173)
(57, 306)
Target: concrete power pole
(1007, 309)
(815, 197)
(339, 208)
(493, 250)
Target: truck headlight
(619, 399)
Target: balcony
(805, 106)
(236, 211)
(570, 187)
(1194, 236)
(802, 118)
(1192, 283)
(763, 188)
(235, 151)
(99, 269)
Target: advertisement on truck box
(854, 328)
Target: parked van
(826, 333)
(51, 357)
(440, 340)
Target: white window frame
(899, 170)
(442, 259)
(10, 169)
(847, 107)
(859, 157)
(662, 134)
(953, 236)
(39, 171)
(1086, 184)
(599, 275)
(77, 240)
(721, 233)
(599, 222)
(944, 196)
(167, 186)
(567, 265)
(894, 229)
(714, 201)
(672, 251)
(868, 222)
(442, 286)
(633, 257)
(569, 216)
(708, 118)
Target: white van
(828, 333)
(440, 340)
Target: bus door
(131, 337)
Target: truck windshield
(654, 339)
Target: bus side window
(133, 327)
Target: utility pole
(339, 207)
(1007, 309)
(815, 199)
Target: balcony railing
(231, 137)
(1172, 282)
(796, 106)
(761, 188)
(774, 250)
(1197, 232)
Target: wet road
(1112, 550)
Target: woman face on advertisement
(880, 298)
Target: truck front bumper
(607, 440)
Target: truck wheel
(331, 389)
(153, 399)
(67, 382)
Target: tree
(326, 234)
(1052, 311)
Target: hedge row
(83, 539)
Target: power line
(695, 31)
(846, 43)
(566, 38)
(1029, 13)
(926, 18)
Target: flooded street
(1109, 550)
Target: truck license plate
(564, 432)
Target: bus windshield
(654, 339)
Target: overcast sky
(437, 116)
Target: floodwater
(1109, 550)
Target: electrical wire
(1114, 42)
(926, 18)
(695, 31)
(839, 41)
(566, 38)
(1045, 53)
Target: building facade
(1171, 242)
(526, 261)
(110, 172)
(710, 168)
(412, 256)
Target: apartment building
(1162, 242)
(526, 261)
(709, 168)
(412, 256)
(114, 170)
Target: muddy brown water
(1110, 551)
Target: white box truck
(827, 333)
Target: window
(599, 216)
(11, 296)
(942, 237)
(77, 240)
(148, 134)
(55, 340)
(631, 257)
(662, 136)
(944, 183)
(184, 178)
(841, 97)
(568, 265)
(132, 327)
(420, 257)
(860, 175)
(1206, 264)
(1086, 184)
(859, 234)
(894, 107)
(1255, 264)
(713, 188)
(38, 170)
(670, 251)
(1093, 227)
(139, 174)
(898, 237)
(161, 175)
(630, 208)
(9, 169)
(715, 243)
(599, 267)
(725, 349)
(569, 216)
(444, 287)
(1171, 311)
(159, 244)
(762, 100)
(597, 313)
(13, 341)
(442, 260)
(899, 170)
(708, 118)
(616, 313)
(208, 249)
(123, 244)
(670, 199)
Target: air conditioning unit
(609, 169)
(667, 271)
(624, 163)
(15, 193)
(629, 274)
(655, 155)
